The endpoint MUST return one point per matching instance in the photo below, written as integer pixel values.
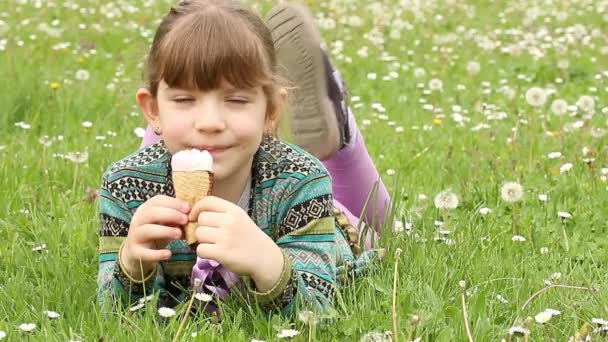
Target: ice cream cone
(192, 187)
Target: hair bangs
(210, 47)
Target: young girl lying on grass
(279, 226)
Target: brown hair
(199, 43)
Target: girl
(275, 220)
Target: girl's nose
(210, 119)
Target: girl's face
(228, 122)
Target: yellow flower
(80, 60)
(55, 85)
(437, 121)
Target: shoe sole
(297, 43)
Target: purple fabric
(215, 278)
(353, 176)
(150, 137)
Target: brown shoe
(313, 120)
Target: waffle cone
(192, 187)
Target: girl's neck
(231, 188)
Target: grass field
(450, 95)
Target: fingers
(168, 202)
(209, 203)
(209, 251)
(154, 232)
(213, 219)
(208, 235)
(162, 215)
(152, 255)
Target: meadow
(486, 119)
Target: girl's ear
(149, 106)
(272, 118)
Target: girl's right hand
(156, 222)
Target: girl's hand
(227, 235)
(156, 222)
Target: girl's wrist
(268, 272)
(135, 270)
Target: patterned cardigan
(290, 200)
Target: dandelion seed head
(512, 192)
(446, 200)
(536, 96)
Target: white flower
(473, 67)
(254, 340)
(203, 297)
(536, 96)
(518, 331)
(2, 335)
(139, 132)
(502, 299)
(446, 200)
(599, 321)
(398, 226)
(554, 155)
(39, 248)
(556, 276)
(287, 333)
(564, 214)
(435, 84)
(87, 124)
(51, 314)
(518, 238)
(82, 75)
(544, 250)
(485, 211)
(390, 172)
(559, 107)
(145, 299)
(422, 197)
(166, 312)
(438, 223)
(137, 307)
(27, 327)
(565, 168)
(586, 103)
(512, 192)
(543, 317)
(543, 197)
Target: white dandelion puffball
(287, 333)
(473, 67)
(543, 197)
(82, 75)
(564, 214)
(419, 73)
(485, 211)
(166, 312)
(512, 192)
(446, 200)
(536, 96)
(565, 168)
(27, 327)
(435, 84)
(586, 103)
(559, 107)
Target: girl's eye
(238, 100)
(183, 100)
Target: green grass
(473, 163)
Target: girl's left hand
(227, 235)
